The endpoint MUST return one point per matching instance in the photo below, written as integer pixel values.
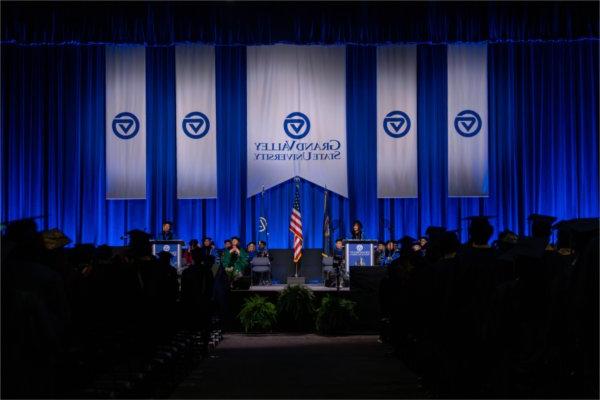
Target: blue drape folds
(251, 23)
(543, 102)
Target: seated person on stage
(391, 253)
(226, 247)
(252, 252)
(187, 254)
(379, 251)
(338, 259)
(167, 232)
(263, 251)
(209, 246)
(338, 250)
(235, 260)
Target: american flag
(296, 225)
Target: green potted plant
(258, 314)
(296, 309)
(335, 315)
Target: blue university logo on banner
(396, 124)
(467, 123)
(125, 125)
(262, 224)
(296, 125)
(195, 125)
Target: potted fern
(296, 309)
(335, 315)
(258, 314)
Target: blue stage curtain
(251, 23)
(543, 102)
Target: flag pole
(326, 231)
(297, 182)
(262, 211)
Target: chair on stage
(260, 266)
(327, 268)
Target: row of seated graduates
(515, 319)
(72, 315)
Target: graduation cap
(479, 221)
(541, 225)
(435, 232)
(579, 225)
(526, 248)
(55, 239)
(578, 230)
(137, 236)
(22, 229)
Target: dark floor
(300, 366)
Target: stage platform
(363, 290)
(280, 287)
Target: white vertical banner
(196, 122)
(467, 121)
(125, 122)
(397, 171)
(296, 106)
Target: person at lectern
(357, 230)
(167, 232)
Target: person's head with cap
(24, 238)
(139, 243)
(541, 226)
(207, 241)
(480, 230)
(193, 244)
(576, 233)
(21, 230)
